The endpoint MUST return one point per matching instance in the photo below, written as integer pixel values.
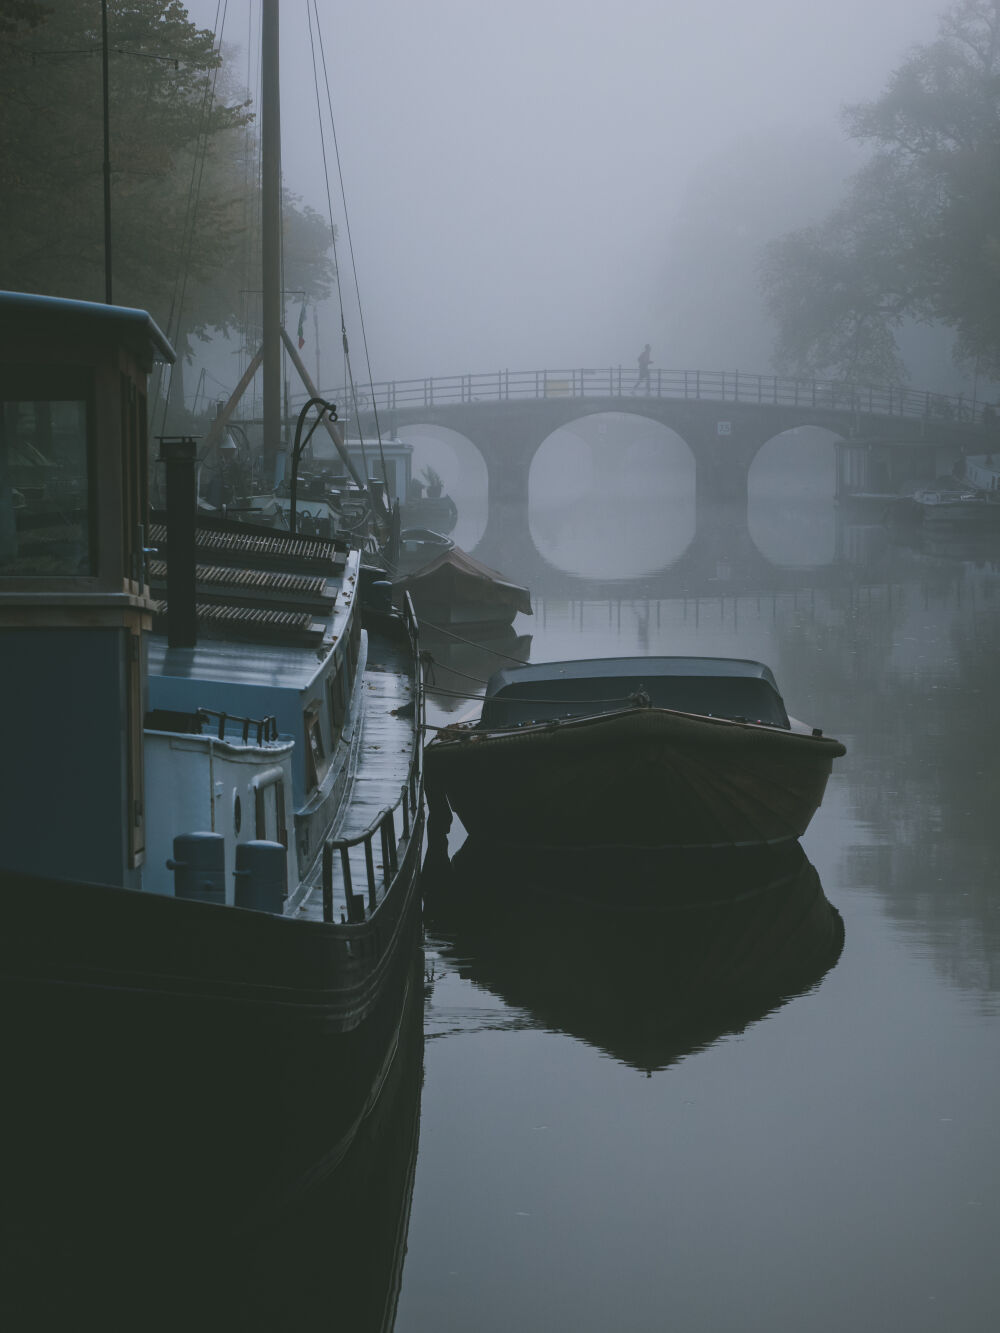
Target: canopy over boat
(709, 686)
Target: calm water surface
(825, 1163)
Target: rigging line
(117, 50)
(348, 369)
(350, 242)
(349, 374)
(194, 197)
(256, 262)
(251, 195)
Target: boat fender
(261, 876)
(199, 866)
(380, 595)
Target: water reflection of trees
(907, 668)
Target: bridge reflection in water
(824, 543)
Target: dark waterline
(821, 1163)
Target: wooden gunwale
(712, 729)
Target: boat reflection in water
(457, 665)
(335, 1259)
(117, 1211)
(649, 963)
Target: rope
(333, 229)
(478, 680)
(252, 204)
(350, 248)
(566, 703)
(439, 629)
(452, 694)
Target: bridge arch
(612, 495)
(460, 463)
(800, 461)
(791, 490)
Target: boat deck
(385, 748)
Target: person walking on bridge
(644, 360)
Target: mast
(271, 234)
(106, 115)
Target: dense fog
(554, 184)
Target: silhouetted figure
(989, 418)
(644, 359)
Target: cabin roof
(137, 329)
(454, 561)
(276, 667)
(611, 668)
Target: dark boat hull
(229, 1055)
(645, 777)
(192, 1173)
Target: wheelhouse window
(336, 700)
(317, 760)
(46, 511)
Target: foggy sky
(524, 180)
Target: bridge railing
(722, 386)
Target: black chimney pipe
(179, 453)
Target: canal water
(777, 1116)
(764, 1143)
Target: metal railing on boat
(391, 845)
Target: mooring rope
(432, 662)
(440, 629)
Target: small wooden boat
(429, 511)
(967, 504)
(418, 547)
(638, 751)
(982, 471)
(458, 592)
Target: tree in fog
(918, 234)
(714, 313)
(184, 165)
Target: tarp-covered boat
(638, 751)
(458, 591)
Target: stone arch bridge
(725, 418)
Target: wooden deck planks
(385, 750)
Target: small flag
(302, 325)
